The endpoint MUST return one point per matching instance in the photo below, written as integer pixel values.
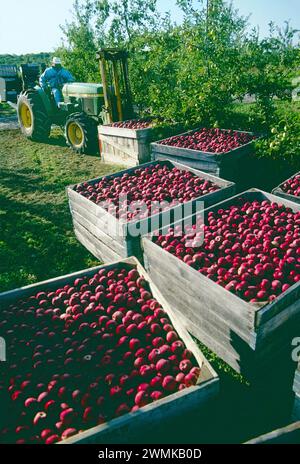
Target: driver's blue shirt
(56, 78)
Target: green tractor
(83, 108)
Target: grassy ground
(36, 234)
(6, 110)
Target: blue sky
(33, 25)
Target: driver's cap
(56, 60)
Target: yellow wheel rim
(75, 134)
(25, 116)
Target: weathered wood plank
(181, 152)
(121, 149)
(296, 408)
(289, 435)
(200, 314)
(278, 321)
(98, 220)
(212, 168)
(95, 246)
(113, 158)
(97, 232)
(112, 224)
(210, 341)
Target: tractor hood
(82, 90)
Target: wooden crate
(296, 389)
(131, 425)
(225, 165)
(296, 408)
(248, 337)
(280, 193)
(289, 435)
(128, 147)
(109, 239)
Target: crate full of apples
(111, 213)
(209, 149)
(290, 188)
(126, 142)
(95, 356)
(240, 287)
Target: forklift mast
(115, 80)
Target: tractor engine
(88, 96)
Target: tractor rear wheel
(81, 134)
(33, 119)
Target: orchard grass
(37, 241)
(6, 110)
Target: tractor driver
(55, 77)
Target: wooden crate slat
(131, 152)
(296, 408)
(95, 246)
(124, 146)
(230, 356)
(212, 168)
(289, 434)
(183, 152)
(98, 219)
(112, 225)
(214, 322)
(100, 235)
(267, 328)
(210, 158)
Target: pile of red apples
(210, 140)
(251, 248)
(85, 353)
(148, 190)
(292, 186)
(133, 124)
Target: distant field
(43, 57)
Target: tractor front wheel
(33, 119)
(81, 134)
